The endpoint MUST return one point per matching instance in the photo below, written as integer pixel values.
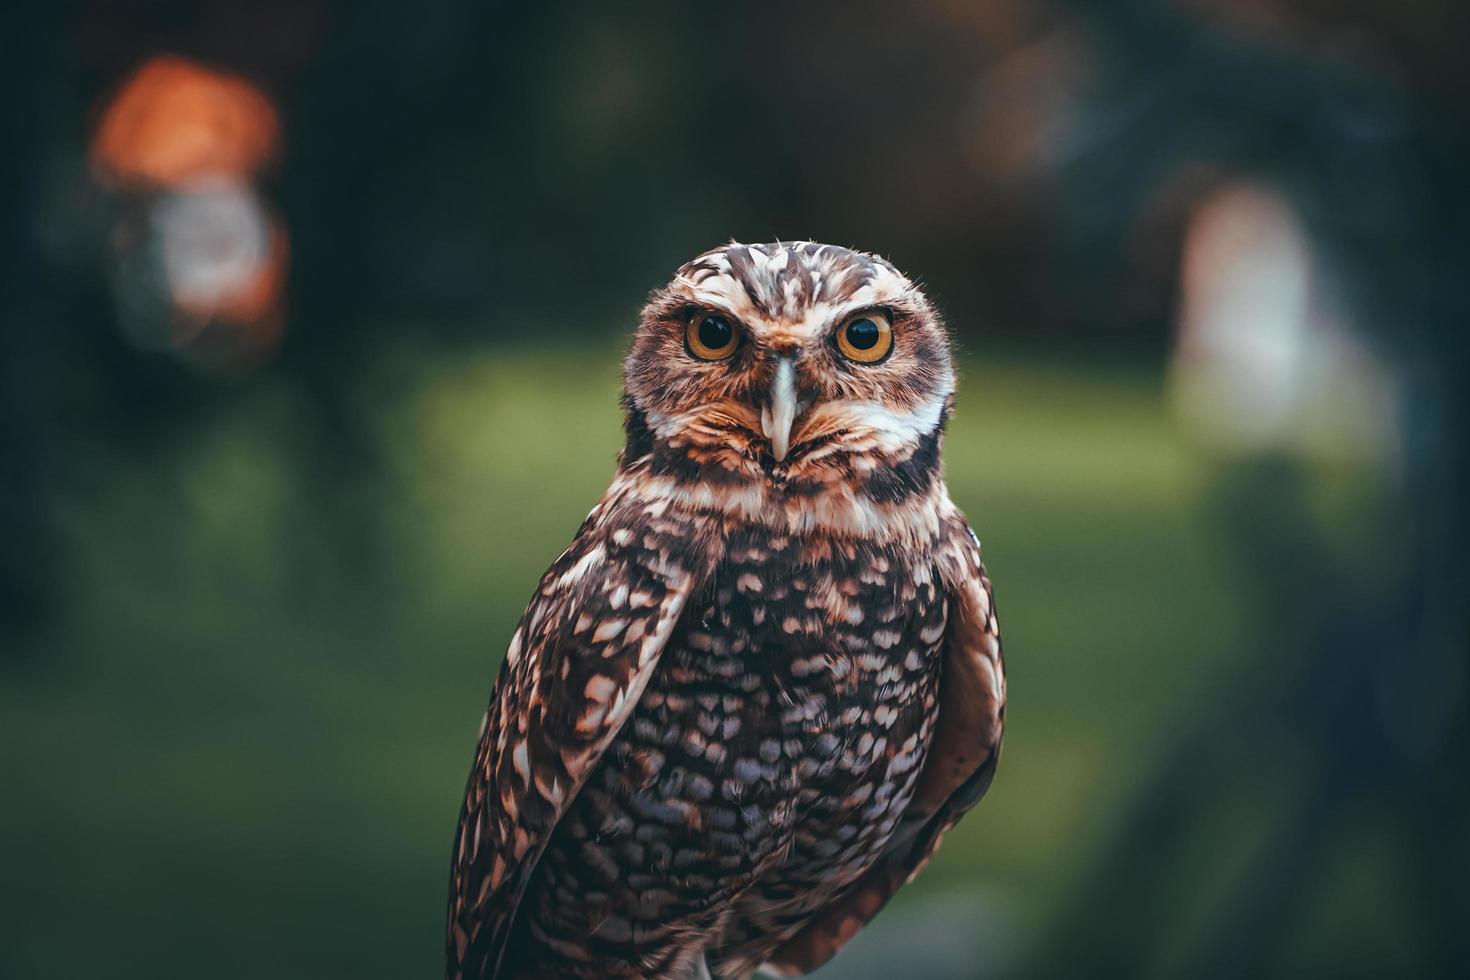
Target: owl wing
(576, 666)
(958, 768)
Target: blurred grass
(254, 714)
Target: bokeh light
(198, 258)
(174, 122)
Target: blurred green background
(314, 331)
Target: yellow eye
(711, 337)
(866, 338)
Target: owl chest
(793, 705)
(774, 748)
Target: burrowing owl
(746, 703)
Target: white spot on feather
(574, 574)
(608, 630)
(599, 688)
(552, 791)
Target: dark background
(1205, 266)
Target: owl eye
(866, 338)
(711, 337)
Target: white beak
(776, 418)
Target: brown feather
(957, 770)
(568, 684)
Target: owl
(744, 706)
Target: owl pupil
(862, 334)
(715, 332)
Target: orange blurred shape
(175, 121)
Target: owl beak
(777, 416)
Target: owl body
(744, 706)
(765, 767)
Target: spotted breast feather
(736, 760)
(958, 766)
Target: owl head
(797, 365)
